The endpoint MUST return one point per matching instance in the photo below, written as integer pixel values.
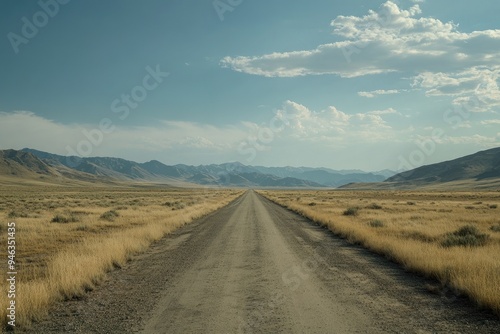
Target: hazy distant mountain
(325, 176)
(227, 174)
(479, 166)
(275, 181)
(157, 168)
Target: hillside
(22, 164)
(480, 170)
(479, 166)
(20, 167)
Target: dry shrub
(467, 236)
(376, 223)
(352, 211)
(110, 215)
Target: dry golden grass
(67, 239)
(411, 227)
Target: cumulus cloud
(442, 60)
(334, 125)
(476, 87)
(388, 40)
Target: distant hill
(21, 167)
(22, 164)
(228, 174)
(479, 166)
(476, 171)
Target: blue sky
(359, 84)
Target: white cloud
(338, 117)
(390, 39)
(444, 60)
(25, 129)
(476, 87)
(334, 125)
(301, 124)
(377, 92)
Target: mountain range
(478, 170)
(47, 166)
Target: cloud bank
(388, 40)
(440, 58)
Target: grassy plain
(68, 238)
(451, 236)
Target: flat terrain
(452, 236)
(67, 238)
(255, 267)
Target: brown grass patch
(438, 234)
(68, 238)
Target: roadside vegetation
(68, 238)
(452, 237)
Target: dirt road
(254, 267)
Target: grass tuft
(17, 214)
(177, 205)
(466, 236)
(352, 211)
(377, 223)
(110, 215)
(64, 219)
